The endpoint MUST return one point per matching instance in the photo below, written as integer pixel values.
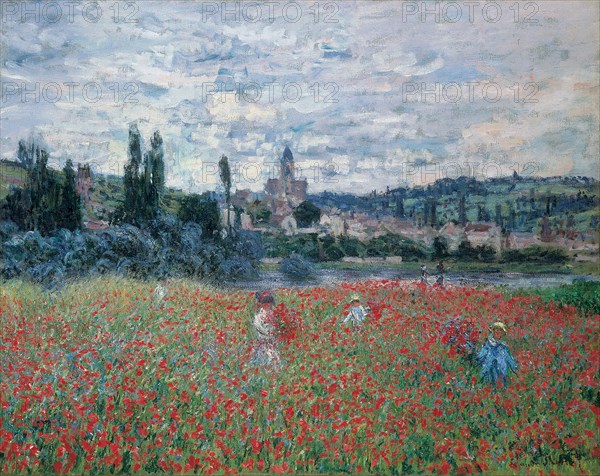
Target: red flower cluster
(107, 379)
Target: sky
(366, 94)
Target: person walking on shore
(439, 271)
(424, 275)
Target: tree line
(49, 200)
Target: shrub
(352, 246)
(296, 267)
(440, 247)
(238, 268)
(536, 254)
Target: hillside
(517, 203)
(522, 201)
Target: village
(284, 194)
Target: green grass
(458, 266)
(584, 295)
(10, 174)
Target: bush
(535, 254)
(466, 251)
(395, 245)
(296, 267)
(440, 247)
(238, 268)
(281, 245)
(191, 237)
(485, 253)
(352, 247)
(306, 214)
(7, 229)
(332, 251)
(249, 244)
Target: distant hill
(518, 203)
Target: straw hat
(354, 297)
(499, 325)
(264, 297)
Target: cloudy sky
(366, 94)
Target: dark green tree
(44, 193)
(259, 212)
(131, 177)
(155, 172)
(225, 175)
(201, 209)
(25, 154)
(462, 210)
(69, 216)
(34, 207)
(512, 218)
(440, 247)
(400, 207)
(481, 213)
(306, 214)
(498, 216)
(433, 212)
(144, 178)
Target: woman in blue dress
(495, 357)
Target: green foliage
(280, 245)
(352, 246)
(535, 254)
(225, 175)
(331, 249)
(47, 201)
(201, 209)
(306, 214)
(440, 247)
(69, 216)
(584, 295)
(395, 245)
(480, 253)
(143, 181)
(259, 212)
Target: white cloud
(169, 54)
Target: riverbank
(332, 277)
(459, 266)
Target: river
(331, 277)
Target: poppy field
(119, 376)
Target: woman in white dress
(265, 323)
